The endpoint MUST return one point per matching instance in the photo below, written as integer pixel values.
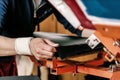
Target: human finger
(44, 52)
(51, 43)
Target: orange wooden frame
(59, 67)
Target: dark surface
(20, 78)
(67, 51)
(91, 77)
(69, 45)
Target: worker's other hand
(87, 32)
(42, 48)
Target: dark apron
(8, 66)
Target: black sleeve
(47, 9)
(66, 24)
(44, 11)
(3, 12)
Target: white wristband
(22, 46)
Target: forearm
(7, 53)
(38, 47)
(7, 46)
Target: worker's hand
(85, 31)
(42, 48)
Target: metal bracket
(92, 41)
(109, 56)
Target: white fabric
(22, 46)
(24, 65)
(44, 73)
(65, 10)
(36, 6)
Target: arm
(82, 32)
(40, 48)
(66, 24)
(7, 46)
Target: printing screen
(106, 11)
